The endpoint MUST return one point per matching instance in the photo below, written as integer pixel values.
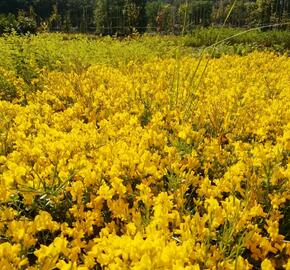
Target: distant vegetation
(123, 17)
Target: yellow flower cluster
(154, 165)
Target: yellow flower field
(148, 165)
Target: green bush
(20, 24)
(8, 23)
(8, 91)
(25, 24)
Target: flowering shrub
(147, 166)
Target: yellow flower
(267, 265)
(47, 256)
(287, 266)
(44, 221)
(182, 135)
(62, 265)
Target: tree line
(122, 17)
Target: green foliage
(25, 24)
(7, 23)
(8, 91)
(21, 24)
(239, 41)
